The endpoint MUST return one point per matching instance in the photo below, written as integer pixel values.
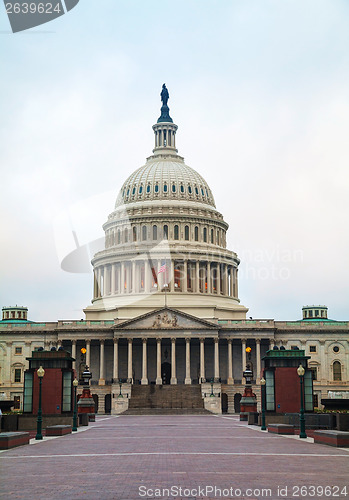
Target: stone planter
(342, 421)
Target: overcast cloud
(260, 92)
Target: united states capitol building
(165, 308)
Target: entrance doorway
(166, 373)
(224, 402)
(107, 403)
(237, 399)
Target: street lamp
(120, 384)
(75, 414)
(301, 372)
(263, 428)
(41, 373)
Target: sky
(260, 92)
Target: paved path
(131, 457)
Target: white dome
(165, 179)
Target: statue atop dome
(164, 95)
(165, 110)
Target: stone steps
(167, 399)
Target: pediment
(166, 319)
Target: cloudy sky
(260, 92)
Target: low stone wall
(29, 422)
(314, 420)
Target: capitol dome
(165, 179)
(165, 240)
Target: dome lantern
(165, 130)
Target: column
(230, 362)
(231, 281)
(112, 285)
(197, 276)
(187, 361)
(122, 289)
(158, 362)
(116, 360)
(144, 380)
(101, 363)
(173, 362)
(323, 375)
(185, 279)
(225, 279)
(172, 276)
(105, 281)
(146, 277)
(88, 353)
(73, 353)
(218, 278)
(133, 278)
(202, 360)
(99, 279)
(129, 361)
(95, 285)
(236, 284)
(208, 277)
(258, 361)
(271, 344)
(243, 353)
(216, 358)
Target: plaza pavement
(135, 457)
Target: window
(148, 189)
(18, 374)
(313, 370)
(202, 192)
(310, 314)
(134, 233)
(336, 348)
(156, 188)
(128, 192)
(17, 402)
(173, 188)
(119, 236)
(166, 231)
(155, 232)
(182, 188)
(315, 400)
(28, 392)
(196, 190)
(196, 233)
(189, 189)
(125, 235)
(12, 314)
(312, 348)
(140, 189)
(205, 234)
(144, 233)
(134, 190)
(186, 233)
(316, 312)
(176, 232)
(165, 188)
(67, 387)
(18, 350)
(19, 314)
(337, 371)
(212, 236)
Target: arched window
(173, 188)
(165, 188)
(148, 188)
(218, 238)
(337, 371)
(156, 188)
(125, 235)
(196, 231)
(128, 192)
(134, 190)
(186, 233)
(144, 233)
(155, 232)
(212, 236)
(189, 189)
(182, 188)
(140, 189)
(134, 233)
(166, 231)
(119, 236)
(176, 232)
(205, 234)
(196, 190)
(202, 192)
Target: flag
(163, 268)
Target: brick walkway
(128, 457)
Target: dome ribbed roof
(165, 179)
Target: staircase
(166, 400)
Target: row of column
(141, 276)
(144, 379)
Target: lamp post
(263, 428)
(41, 373)
(75, 414)
(120, 384)
(302, 434)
